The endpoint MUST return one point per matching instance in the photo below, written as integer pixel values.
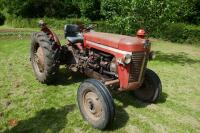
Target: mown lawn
(28, 106)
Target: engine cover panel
(122, 42)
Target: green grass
(53, 108)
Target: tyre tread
(51, 65)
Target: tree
(41, 8)
(89, 8)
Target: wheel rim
(146, 91)
(39, 60)
(92, 105)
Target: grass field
(28, 106)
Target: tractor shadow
(175, 58)
(47, 120)
(67, 78)
(127, 99)
(120, 120)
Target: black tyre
(151, 88)
(44, 57)
(95, 103)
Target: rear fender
(52, 35)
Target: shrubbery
(89, 8)
(154, 11)
(2, 19)
(41, 8)
(160, 19)
(182, 33)
(175, 32)
(19, 22)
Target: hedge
(20, 22)
(175, 32)
(181, 33)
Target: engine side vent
(137, 66)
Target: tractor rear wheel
(95, 103)
(44, 57)
(151, 88)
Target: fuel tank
(121, 42)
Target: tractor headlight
(127, 59)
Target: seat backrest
(71, 30)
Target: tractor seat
(75, 39)
(72, 33)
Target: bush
(175, 32)
(2, 19)
(124, 25)
(89, 8)
(19, 22)
(181, 33)
(40, 8)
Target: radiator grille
(137, 66)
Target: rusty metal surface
(40, 59)
(51, 34)
(111, 82)
(137, 65)
(131, 86)
(92, 74)
(111, 40)
(92, 105)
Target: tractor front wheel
(95, 103)
(151, 88)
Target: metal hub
(39, 59)
(92, 105)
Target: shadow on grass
(120, 120)
(162, 98)
(66, 78)
(127, 99)
(172, 58)
(51, 120)
(121, 116)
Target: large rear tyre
(44, 57)
(151, 89)
(95, 103)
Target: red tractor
(111, 61)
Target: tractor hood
(122, 42)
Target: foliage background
(172, 20)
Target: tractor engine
(102, 63)
(97, 64)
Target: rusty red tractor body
(113, 61)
